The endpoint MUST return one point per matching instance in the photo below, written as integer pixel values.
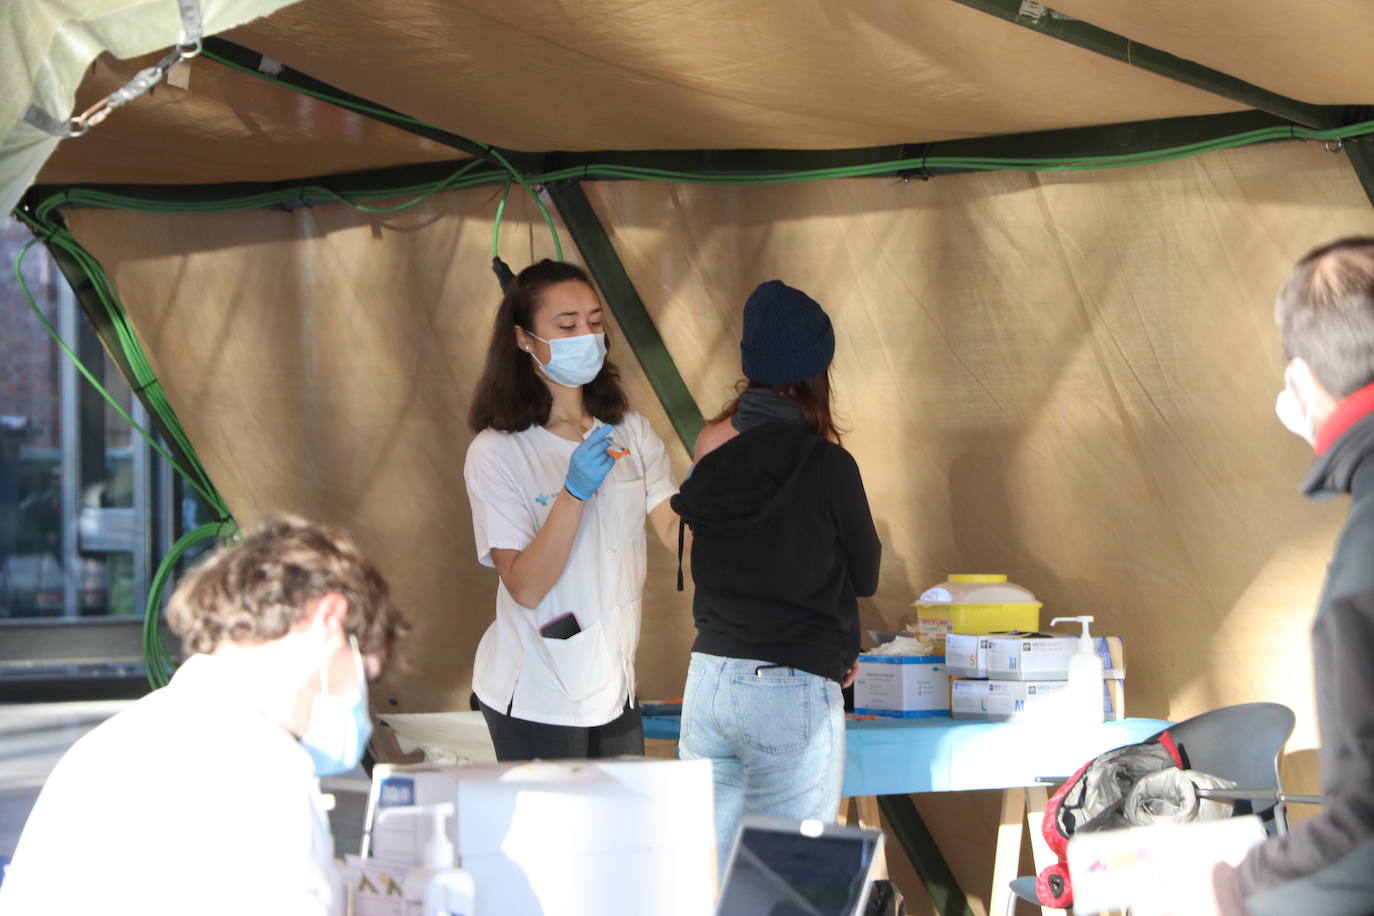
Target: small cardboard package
(968, 698)
(1019, 701)
(901, 686)
(1042, 657)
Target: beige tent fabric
(1068, 378)
(220, 125)
(605, 74)
(46, 45)
(1308, 51)
(322, 362)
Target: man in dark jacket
(1325, 866)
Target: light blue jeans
(775, 740)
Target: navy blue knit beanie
(787, 335)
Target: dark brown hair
(812, 394)
(510, 395)
(256, 590)
(1325, 314)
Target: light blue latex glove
(590, 463)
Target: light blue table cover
(897, 756)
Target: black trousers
(521, 739)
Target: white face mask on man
(1291, 412)
(339, 726)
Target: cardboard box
(563, 838)
(901, 686)
(375, 888)
(968, 699)
(966, 655)
(1041, 657)
(972, 699)
(1026, 701)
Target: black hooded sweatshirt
(783, 546)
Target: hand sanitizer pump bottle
(1084, 691)
(437, 888)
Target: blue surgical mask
(573, 361)
(339, 726)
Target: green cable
(401, 119)
(496, 223)
(157, 662)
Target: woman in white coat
(561, 476)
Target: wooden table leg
(1008, 855)
(869, 817)
(1036, 796)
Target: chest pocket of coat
(622, 513)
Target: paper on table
(444, 737)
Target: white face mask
(573, 361)
(339, 726)
(1292, 416)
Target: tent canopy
(611, 75)
(1064, 376)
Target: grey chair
(1241, 743)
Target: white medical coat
(188, 802)
(512, 482)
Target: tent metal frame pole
(253, 60)
(1361, 156)
(1124, 138)
(921, 848)
(625, 303)
(1045, 21)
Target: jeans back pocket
(773, 713)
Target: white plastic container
(438, 887)
(1084, 692)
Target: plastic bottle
(1084, 692)
(437, 887)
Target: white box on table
(563, 838)
(1025, 701)
(972, 699)
(901, 686)
(966, 655)
(1046, 658)
(968, 698)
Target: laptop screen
(797, 868)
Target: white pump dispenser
(1084, 692)
(437, 888)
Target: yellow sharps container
(979, 603)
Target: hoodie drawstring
(681, 539)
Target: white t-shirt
(513, 480)
(189, 801)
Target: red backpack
(1092, 800)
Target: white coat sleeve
(501, 516)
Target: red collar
(1347, 413)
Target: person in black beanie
(783, 546)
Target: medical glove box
(1039, 657)
(1020, 701)
(562, 838)
(966, 654)
(901, 686)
